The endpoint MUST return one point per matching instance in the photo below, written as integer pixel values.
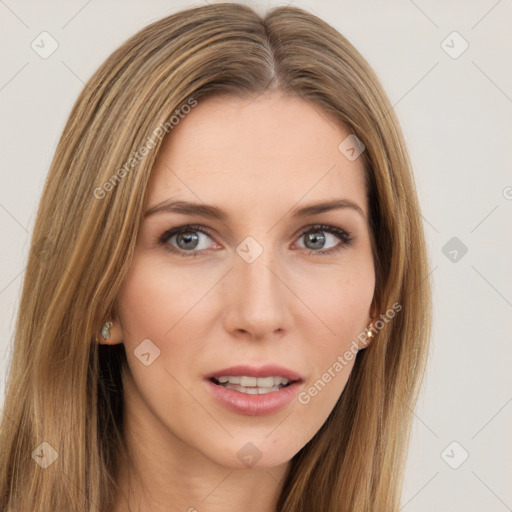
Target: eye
(321, 239)
(189, 239)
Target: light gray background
(456, 115)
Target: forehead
(262, 150)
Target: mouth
(254, 391)
(253, 385)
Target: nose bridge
(258, 298)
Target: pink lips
(254, 405)
(269, 370)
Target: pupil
(317, 239)
(187, 238)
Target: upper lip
(268, 370)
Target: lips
(269, 370)
(254, 401)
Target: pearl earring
(105, 333)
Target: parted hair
(65, 389)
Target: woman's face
(235, 267)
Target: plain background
(455, 111)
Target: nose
(257, 298)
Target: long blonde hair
(65, 390)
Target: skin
(257, 159)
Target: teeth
(253, 385)
(251, 391)
(254, 382)
(248, 381)
(226, 379)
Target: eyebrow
(213, 212)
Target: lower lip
(254, 405)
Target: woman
(226, 303)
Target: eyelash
(344, 236)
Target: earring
(369, 336)
(105, 333)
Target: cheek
(156, 303)
(340, 302)
(154, 299)
(341, 298)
